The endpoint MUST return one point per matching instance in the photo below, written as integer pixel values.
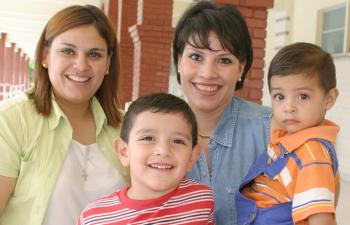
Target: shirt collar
(328, 131)
(55, 116)
(99, 115)
(223, 132)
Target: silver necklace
(203, 136)
(84, 175)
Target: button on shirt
(241, 135)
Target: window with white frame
(334, 29)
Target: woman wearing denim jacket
(212, 52)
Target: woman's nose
(208, 70)
(81, 63)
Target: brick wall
(2, 62)
(255, 13)
(146, 53)
(129, 14)
(152, 37)
(9, 67)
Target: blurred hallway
(343, 208)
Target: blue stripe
(320, 200)
(297, 160)
(266, 194)
(330, 148)
(319, 163)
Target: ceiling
(23, 20)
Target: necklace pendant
(84, 175)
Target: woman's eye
(225, 61)
(68, 51)
(95, 55)
(195, 57)
(303, 96)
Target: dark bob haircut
(225, 21)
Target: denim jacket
(241, 135)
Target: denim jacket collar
(223, 132)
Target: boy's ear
(122, 151)
(331, 98)
(194, 157)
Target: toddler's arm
(322, 219)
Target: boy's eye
(179, 141)
(195, 57)
(278, 97)
(225, 61)
(303, 96)
(147, 138)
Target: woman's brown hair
(66, 19)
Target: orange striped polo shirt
(311, 188)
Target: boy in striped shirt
(159, 145)
(296, 180)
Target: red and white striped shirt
(191, 203)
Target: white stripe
(314, 194)
(285, 175)
(270, 152)
(180, 216)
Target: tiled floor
(343, 208)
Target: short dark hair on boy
(225, 21)
(305, 58)
(158, 102)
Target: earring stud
(44, 65)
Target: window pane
(333, 42)
(334, 19)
